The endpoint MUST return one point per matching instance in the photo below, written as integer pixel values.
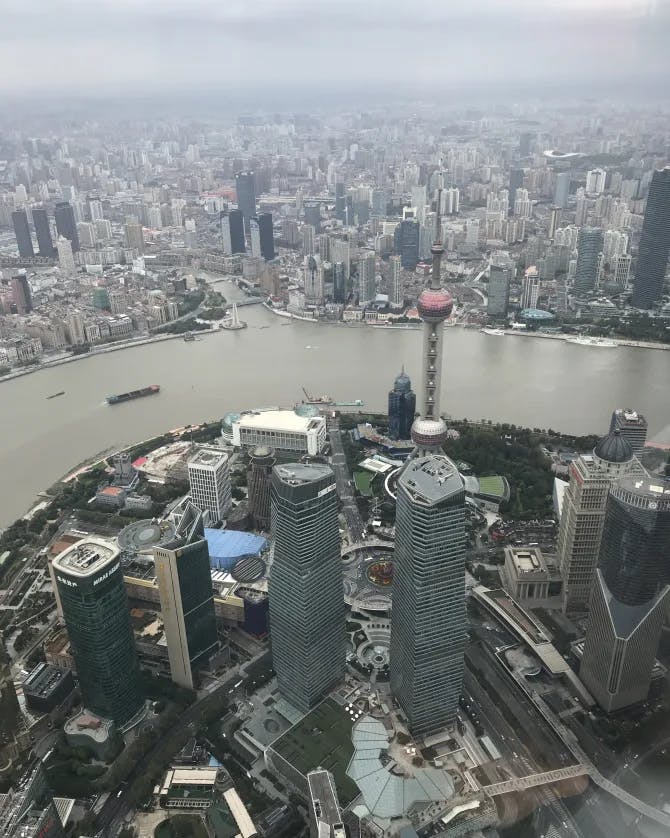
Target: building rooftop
(431, 479)
(529, 560)
(208, 456)
(86, 557)
(43, 679)
(226, 547)
(280, 420)
(614, 448)
(298, 474)
(324, 797)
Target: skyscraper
(366, 278)
(66, 224)
(515, 182)
(500, 276)
(259, 480)
(262, 236)
(583, 516)
(530, 288)
(406, 242)
(428, 620)
(22, 232)
(305, 588)
(340, 203)
(339, 283)
(187, 599)
(313, 215)
(133, 234)
(589, 248)
(632, 425)
(209, 479)
(402, 407)
(630, 595)
(232, 232)
(245, 187)
(562, 189)
(97, 617)
(43, 231)
(652, 260)
(396, 287)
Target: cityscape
(298, 593)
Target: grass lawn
(322, 739)
(493, 486)
(363, 481)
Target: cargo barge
(151, 390)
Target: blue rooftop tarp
(227, 547)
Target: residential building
(562, 189)
(95, 607)
(595, 181)
(428, 620)
(209, 479)
(187, 599)
(652, 260)
(366, 278)
(65, 254)
(630, 596)
(305, 588)
(396, 285)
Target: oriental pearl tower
(434, 305)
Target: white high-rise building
(472, 231)
(209, 478)
(255, 231)
(523, 207)
(451, 199)
(95, 209)
(75, 325)
(65, 254)
(530, 288)
(103, 229)
(419, 200)
(615, 243)
(621, 268)
(366, 278)
(396, 289)
(595, 181)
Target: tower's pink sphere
(434, 304)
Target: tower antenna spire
(437, 248)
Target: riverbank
(635, 344)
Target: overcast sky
(136, 46)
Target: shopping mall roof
(536, 314)
(280, 420)
(227, 547)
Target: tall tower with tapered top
(434, 306)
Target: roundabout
(142, 536)
(368, 578)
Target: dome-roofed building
(614, 448)
(307, 411)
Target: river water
(522, 380)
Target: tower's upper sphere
(429, 432)
(434, 305)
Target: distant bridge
(534, 780)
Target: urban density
(313, 618)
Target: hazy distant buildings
(305, 588)
(652, 260)
(209, 479)
(22, 232)
(133, 234)
(630, 595)
(401, 407)
(245, 187)
(589, 248)
(595, 181)
(428, 621)
(187, 600)
(232, 232)
(583, 516)
(66, 224)
(632, 426)
(45, 243)
(97, 617)
(515, 182)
